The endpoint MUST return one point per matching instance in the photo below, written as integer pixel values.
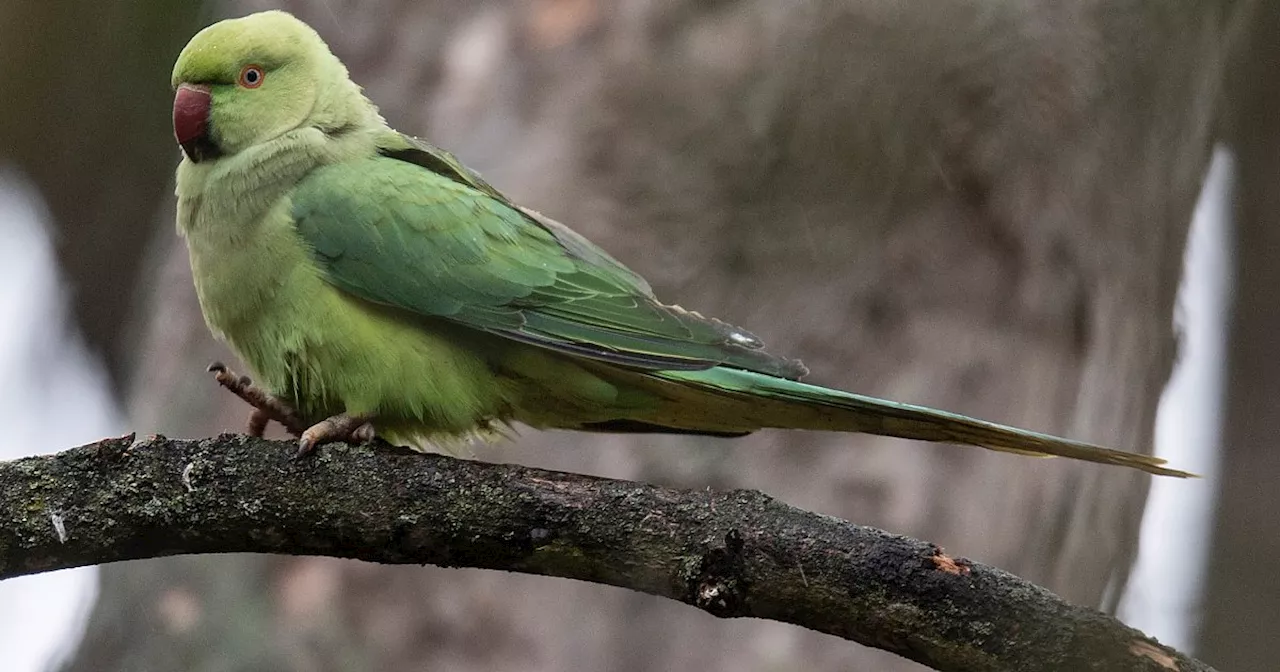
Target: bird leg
(266, 407)
(341, 427)
(258, 420)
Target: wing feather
(431, 237)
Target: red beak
(191, 120)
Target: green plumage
(360, 271)
(438, 247)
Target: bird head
(242, 82)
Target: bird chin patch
(201, 148)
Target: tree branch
(733, 554)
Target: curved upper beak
(191, 121)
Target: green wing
(422, 153)
(416, 230)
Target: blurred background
(985, 206)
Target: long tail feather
(765, 401)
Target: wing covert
(440, 242)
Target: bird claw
(266, 406)
(364, 433)
(341, 427)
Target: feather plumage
(361, 271)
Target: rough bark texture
(968, 204)
(733, 554)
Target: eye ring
(251, 76)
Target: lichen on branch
(736, 553)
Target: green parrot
(370, 279)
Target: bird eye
(251, 76)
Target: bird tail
(741, 401)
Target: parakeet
(372, 281)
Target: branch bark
(733, 554)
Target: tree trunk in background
(84, 112)
(1243, 596)
(973, 205)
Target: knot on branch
(948, 564)
(114, 448)
(719, 586)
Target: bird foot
(266, 407)
(341, 427)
